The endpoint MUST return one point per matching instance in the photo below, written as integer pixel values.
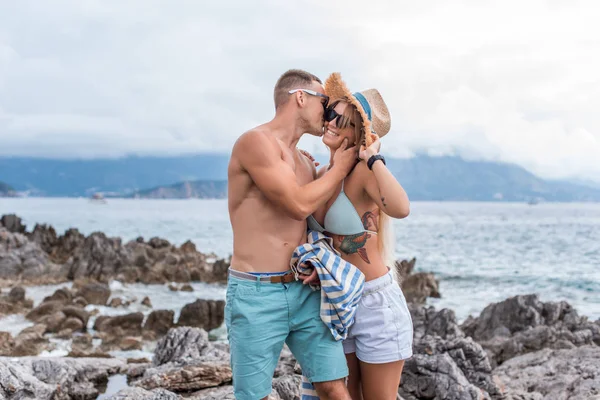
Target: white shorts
(382, 331)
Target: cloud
(512, 81)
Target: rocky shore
(520, 348)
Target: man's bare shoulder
(258, 138)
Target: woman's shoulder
(360, 172)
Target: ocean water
(480, 252)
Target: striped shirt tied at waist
(341, 282)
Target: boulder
(129, 324)
(99, 257)
(16, 295)
(31, 341)
(21, 259)
(523, 324)
(44, 310)
(95, 293)
(146, 302)
(185, 344)
(205, 314)
(137, 393)
(55, 378)
(189, 377)
(553, 374)
(418, 287)
(437, 377)
(158, 323)
(12, 223)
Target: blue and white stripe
(341, 288)
(341, 282)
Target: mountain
(423, 177)
(73, 178)
(186, 190)
(6, 190)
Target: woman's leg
(380, 381)
(353, 382)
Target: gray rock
(137, 393)
(182, 345)
(12, 223)
(56, 378)
(205, 314)
(16, 294)
(18, 382)
(468, 356)
(45, 236)
(553, 374)
(218, 393)
(99, 257)
(418, 287)
(429, 322)
(128, 324)
(523, 324)
(21, 259)
(30, 341)
(190, 377)
(44, 310)
(436, 377)
(63, 295)
(159, 322)
(288, 387)
(95, 293)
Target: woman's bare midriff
(349, 247)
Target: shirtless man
(272, 190)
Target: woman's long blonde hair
(386, 235)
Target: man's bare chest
(300, 165)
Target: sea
(481, 252)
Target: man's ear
(300, 98)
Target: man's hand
(311, 279)
(345, 158)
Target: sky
(511, 81)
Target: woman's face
(334, 135)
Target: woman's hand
(366, 153)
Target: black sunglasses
(340, 120)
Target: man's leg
(257, 325)
(320, 356)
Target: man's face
(315, 106)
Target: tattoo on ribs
(355, 244)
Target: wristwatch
(374, 158)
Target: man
(272, 189)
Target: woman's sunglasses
(340, 120)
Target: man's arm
(260, 156)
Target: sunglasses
(313, 93)
(340, 120)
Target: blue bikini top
(340, 219)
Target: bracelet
(374, 158)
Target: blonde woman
(356, 218)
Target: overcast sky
(516, 81)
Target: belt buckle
(287, 278)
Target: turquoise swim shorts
(260, 318)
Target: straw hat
(369, 103)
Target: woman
(355, 217)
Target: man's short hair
(292, 79)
